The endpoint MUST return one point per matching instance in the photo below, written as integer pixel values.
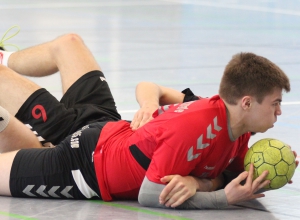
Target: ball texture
(272, 155)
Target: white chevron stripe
(200, 144)
(40, 138)
(216, 126)
(51, 192)
(209, 134)
(27, 190)
(40, 191)
(191, 156)
(65, 192)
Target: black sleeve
(189, 95)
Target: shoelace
(4, 38)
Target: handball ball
(272, 155)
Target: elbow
(144, 83)
(143, 201)
(149, 200)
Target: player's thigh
(92, 88)
(6, 160)
(65, 171)
(73, 59)
(17, 136)
(14, 89)
(49, 119)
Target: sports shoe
(4, 38)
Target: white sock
(4, 118)
(4, 56)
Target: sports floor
(176, 43)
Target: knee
(67, 41)
(70, 38)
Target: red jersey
(191, 138)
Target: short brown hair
(249, 74)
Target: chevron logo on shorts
(51, 193)
(40, 138)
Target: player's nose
(278, 110)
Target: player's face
(264, 115)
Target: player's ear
(246, 102)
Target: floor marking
(237, 6)
(16, 216)
(136, 209)
(81, 5)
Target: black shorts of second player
(63, 172)
(88, 100)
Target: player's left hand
(143, 115)
(178, 190)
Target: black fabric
(140, 157)
(189, 95)
(44, 172)
(88, 100)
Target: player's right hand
(235, 192)
(178, 189)
(296, 162)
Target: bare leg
(14, 89)
(14, 136)
(17, 136)
(66, 54)
(6, 161)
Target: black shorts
(88, 100)
(64, 172)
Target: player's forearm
(209, 185)
(149, 196)
(148, 92)
(218, 182)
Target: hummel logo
(1, 119)
(230, 161)
(40, 138)
(102, 78)
(52, 192)
(209, 168)
(191, 156)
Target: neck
(235, 119)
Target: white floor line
(80, 5)
(237, 6)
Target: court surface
(175, 43)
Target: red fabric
(171, 141)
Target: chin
(267, 129)
(263, 131)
